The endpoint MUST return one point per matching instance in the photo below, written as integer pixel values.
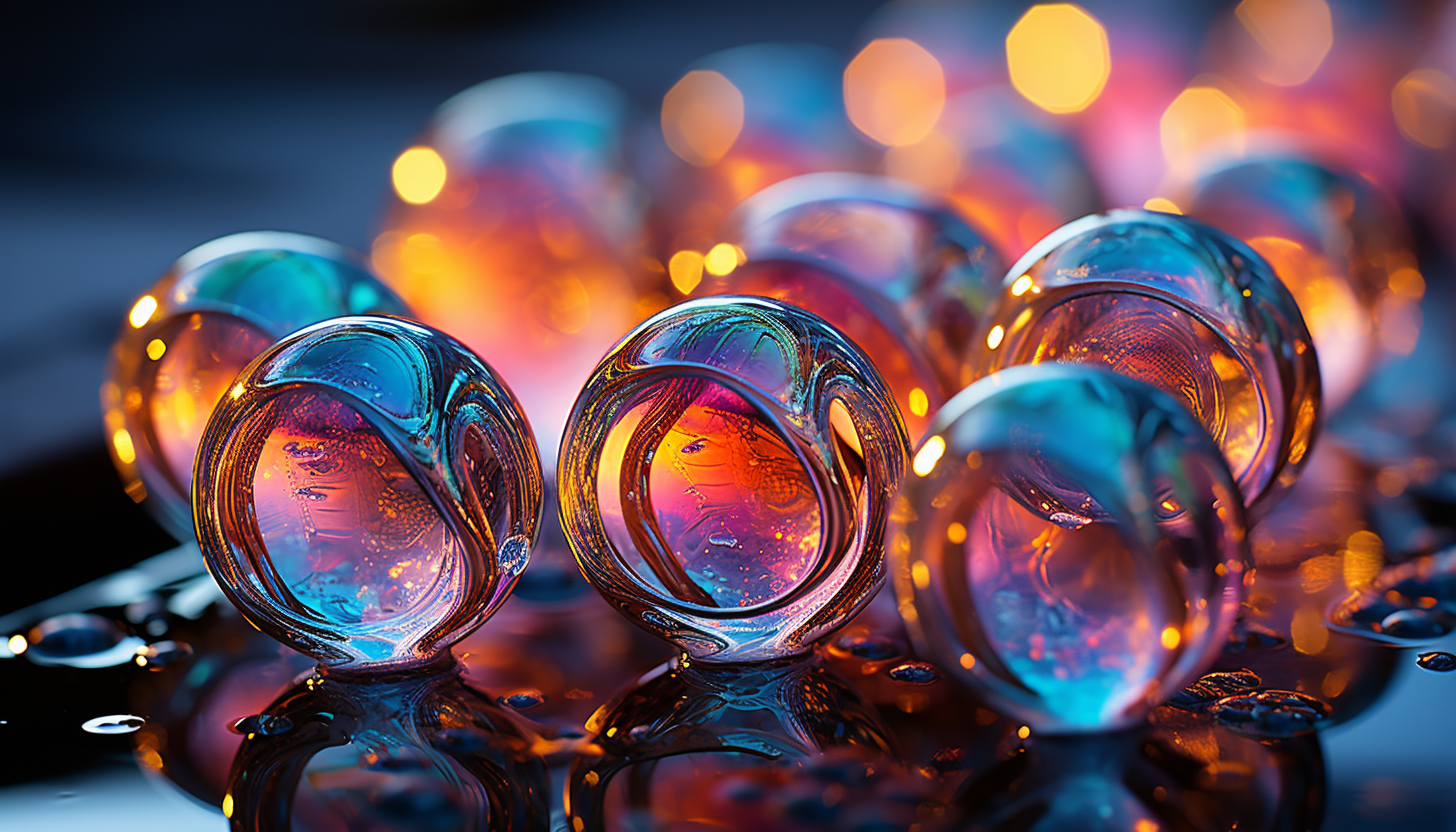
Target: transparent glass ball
(1184, 307)
(1337, 242)
(726, 474)
(894, 269)
(185, 340)
(368, 492)
(1071, 543)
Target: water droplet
(163, 654)
(915, 673)
(515, 554)
(311, 493)
(117, 724)
(262, 724)
(871, 648)
(1437, 662)
(81, 640)
(695, 446)
(523, 700)
(1068, 520)
(1271, 713)
(722, 539)
(1417, 624)
(1246, 635)
(1214, 686)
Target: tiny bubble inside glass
(727, 471)
(368, 492)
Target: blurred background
(132, 133)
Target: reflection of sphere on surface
(1182, 772)
(670, 745)
(917, 275)
(185, 340)
(192, 706)
(522, 251)
(1070, 542)
(418, 752)
(368, 492)
(1338, 244)
(725, 477)
(1183, 307)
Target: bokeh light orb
(726, 475)
(1071, 543)
(1182, 306)
(1058, 57)
(367, 492)
(184, 340)
(894, 269)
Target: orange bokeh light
(1200, 120)
(1058, 57)
(1424, 103)
(702, 116)
(1295, 36)
(894, 91)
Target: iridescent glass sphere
(1070, 542)
(186, 339)
(1184, 307)
(367, 492)
(726, 474)
(899, 272)
(1339, 245)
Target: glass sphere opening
(351, 534)
(723, 512)
(1154, 341)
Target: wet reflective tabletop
(149, 703)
